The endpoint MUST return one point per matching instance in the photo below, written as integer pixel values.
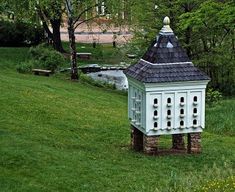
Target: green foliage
(98, 52)
(46, 58)
(25, 67)
(42, 57)
(19, 33)
(136, 47)
(212, 41)
(213, 96)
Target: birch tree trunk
(72, 43)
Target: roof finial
(166, 29)
(166, 21)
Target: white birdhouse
(166, 95)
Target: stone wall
(150, 144)
(194, 142)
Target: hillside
(57, 135)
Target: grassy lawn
(102, 54)
(56, 135)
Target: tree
(71, 29)
(48, 11)
(205, 29)
(212, 41)
(75, 11)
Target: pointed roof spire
(166, 29)
(165, 61)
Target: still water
(116, 77)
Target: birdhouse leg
(136, 139)
(150, 144)
(178, 141)
(194, 142)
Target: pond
(116, 77)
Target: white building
(166, 95)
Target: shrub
(213, 96)
(20, 33)
(45, 58)
(98, 52)
(24, 67)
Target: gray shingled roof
(159, 73)
(165, 61)
(165, 50)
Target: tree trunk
(57, 44)
(55, 34)
(73, 56)
(44, 23)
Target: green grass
(102, 54)
(56, 135)
(221, 118)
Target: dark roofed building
(165, 61)
(166, 95)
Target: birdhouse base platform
(150, 144)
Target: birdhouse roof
(165, 61)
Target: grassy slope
(61, 136)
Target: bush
(42, 57)
(46, 58)
(20, 33)
(98, 52)
(213, 96)
(24, 67)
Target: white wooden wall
(167, 108)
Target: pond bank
(116, 77)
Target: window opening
(155, 113)
(168, 123)
(181, 111)
(155, 124)
(155, 101)
(195, 110)
(182, 99)
(181, 123)
(195, 98)
(195, 121)
(168, 112)
(169, 100)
